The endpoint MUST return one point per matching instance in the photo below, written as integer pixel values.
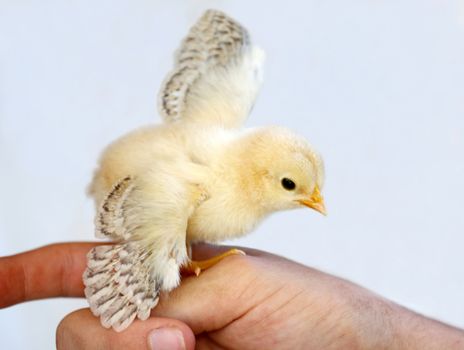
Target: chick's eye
(288, 184)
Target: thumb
(81, 330)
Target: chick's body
(216, 168)
(196, 177)
(191, 159)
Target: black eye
(288, 184)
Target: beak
(315, 202)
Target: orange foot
(195, 267)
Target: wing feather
(111, 219)
(119, 284)
(217, 74)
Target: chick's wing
(217, 74)
(147, 220)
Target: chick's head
(286, 170)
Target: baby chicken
(198, 177)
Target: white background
(377, 86)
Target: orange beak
(315, 202)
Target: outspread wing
(123, 280)
(217, 74)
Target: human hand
(56, 271)
(259, 301)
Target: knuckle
(71, 332)
(243, 263)
(65, 335)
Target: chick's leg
(195, 267)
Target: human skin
(257, 301)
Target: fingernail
(168, 338)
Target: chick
(198, 177)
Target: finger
(51, 271)
(56, 270)
(82, 330)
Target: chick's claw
(195, 267)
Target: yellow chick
(198, 177)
